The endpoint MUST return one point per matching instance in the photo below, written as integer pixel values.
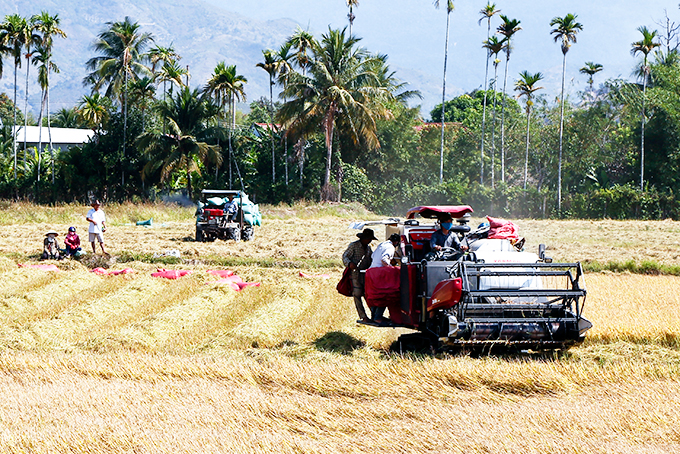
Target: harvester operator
(358, 257)
(445, 237)
(231, 208)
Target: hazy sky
(411, 32)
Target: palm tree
(494, 46)
(340, 90)
(159, 55)
(66, 118)
(591, 69)
(13, 37)
(93, 111)
(122, 47)
(270, 65)
(302, 41)
(508, 28)
(30, 41)
(226, 86)
(183, 148)
(350, 16)
(644, 46)
(42, 57)
(486, 13)
(564, 32)
(283, 69)
(526, 87)
(48, 26)
(141, 92)
(449, 8)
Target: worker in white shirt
(384, 253)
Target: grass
(138, 364)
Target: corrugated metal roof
(59, 135)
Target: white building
(63, 138)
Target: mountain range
(201, 33)
(411, 32)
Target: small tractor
(492, 296)
(213, 221)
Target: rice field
(137, 364)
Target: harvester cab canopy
(439, 211)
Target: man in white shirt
(231, 208)
(97, 220)
(384, 253)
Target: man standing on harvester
(358, 257)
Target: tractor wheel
(414, 343)
(247, 233)
(199, 234)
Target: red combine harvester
(494, 295)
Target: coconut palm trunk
(43, 98)
(505, 83)
(559, 160)
(14, 129)
(28, 66)
(493, 128)
(481, 147)
(642, 131)
(446, 54)
(271, 125)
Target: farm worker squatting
(357, 257)
(97, 220)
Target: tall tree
(340, 90)
(42, 57)
(644, 46)
(486, 13)
(48, 26)
(270, 65)
(31, 40)
(508, 29)
(284, 67)
(93, 111)
(351, 4)
(526, 86)
(184, 147)
(449, 9)
(226, 86)
(591, 69)
(121, 47)
(494, 46)
(565, 31)
(13, 37)
(302, 41)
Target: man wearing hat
(97, 220)
(358, 257)
(51, 247)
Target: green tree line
(337, 126)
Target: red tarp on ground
(105, 272)
(221, 273)
(315, 276)
(502, 229)
(231, 280)
(170, 274)
(456, 211)
(39, 267)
